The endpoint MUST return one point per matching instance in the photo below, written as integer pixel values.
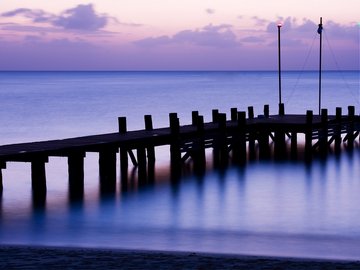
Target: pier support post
(150, 150)
(239, 139)
(293, 145)
(266, 111)
(308, 135)
(107, 170)
(233, 112)
(76, 175)
(199, 155)
(124, 160)
(2, 166)
(38, 180)
(175, 152)
(264, 148)
(251, 112)
(323, 134)
(194, 117)
(141, 158)
(215, 115)
(281, 109)
(350, 127)
(222, 142)
(337, 130)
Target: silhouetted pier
(241, 137)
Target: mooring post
(141, 157)
(337, 129)
(107, 169)
(350, 127)
(266, 111)
(323, 133)
(199, 155)
(175, 152)
(308, 134)
(38, 177)
(76, 175)
(194, 117)
(233, 112)
(281, 109)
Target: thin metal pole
(279, 55)
(320, 62)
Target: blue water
(266, 208)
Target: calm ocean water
(266, 208)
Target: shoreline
(43, 257)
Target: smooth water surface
(265, 208)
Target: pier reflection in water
(266, 207)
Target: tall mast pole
(320, 61)
(279, 60)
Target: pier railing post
(252, 135)
(223, 145)
(251, 112)
(215, 115)
(308, 134)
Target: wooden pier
(241, 137)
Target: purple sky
(83, 38)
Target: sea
(271, 208)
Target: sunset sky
(176, 35)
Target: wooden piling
(281, 109)
(175, 153)
(251, 112)
(38, 176)
(350, 127)
(323, 133)
(233, 112)
(308, 134)
(199, 154)
(337, 129)
(2, 166)
(293, 147)
(76, 175)
(194, 117)
(107, 169)
(266, 111)
(150, 149)
(124, 161)
(215, 115)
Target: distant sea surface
(265, 208)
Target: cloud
(210, 11)
(219, 36)
(253, 39)
(259, 21)
(81, 17)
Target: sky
(177, 35)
